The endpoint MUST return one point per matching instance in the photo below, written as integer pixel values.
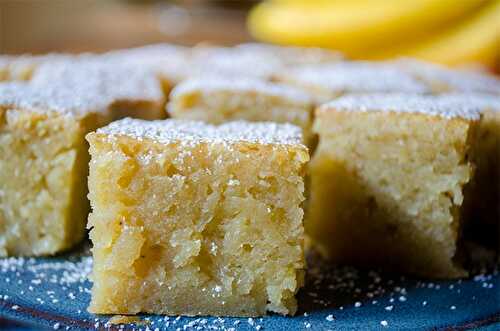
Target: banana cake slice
(194, 219)
(388, 181)
(44, 156)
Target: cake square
(330, 80)
(194, 219)
(388, 182)
(220, 99)
(44, 156)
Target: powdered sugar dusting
(171, 62)
(232, 61)
(102, 80)
(402, 103)
(448, 79)
(48, 99)
(245, 85)
(78, 87)
(292, 55)
(194, 132)
(484, 102)
(357, 77)
(18, 68)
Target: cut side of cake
(484, 207)
(220, 99)
(388, 182)
(328, 81)
(194, 219)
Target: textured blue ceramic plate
(54, 294)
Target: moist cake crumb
(204, 219)
(399, 166)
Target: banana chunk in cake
(328, 81)
(194, 219)
(44, 156)
(388, 181)
(220, 99)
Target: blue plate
(53, 293)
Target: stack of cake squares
(389, 164)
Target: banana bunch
(446, 31)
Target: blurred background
(453, 32)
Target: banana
(354, 27)
(475, 40)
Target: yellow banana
(353, 26)
(476, 39)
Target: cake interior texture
(388, 189)
(43, 157)
(204, 228)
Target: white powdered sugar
(481, 101)
(291, 55)
(48, 99)
(442, 106)
(81, 86)
(100, 79)
(466, 81)
(354, 77)
(194, 132)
